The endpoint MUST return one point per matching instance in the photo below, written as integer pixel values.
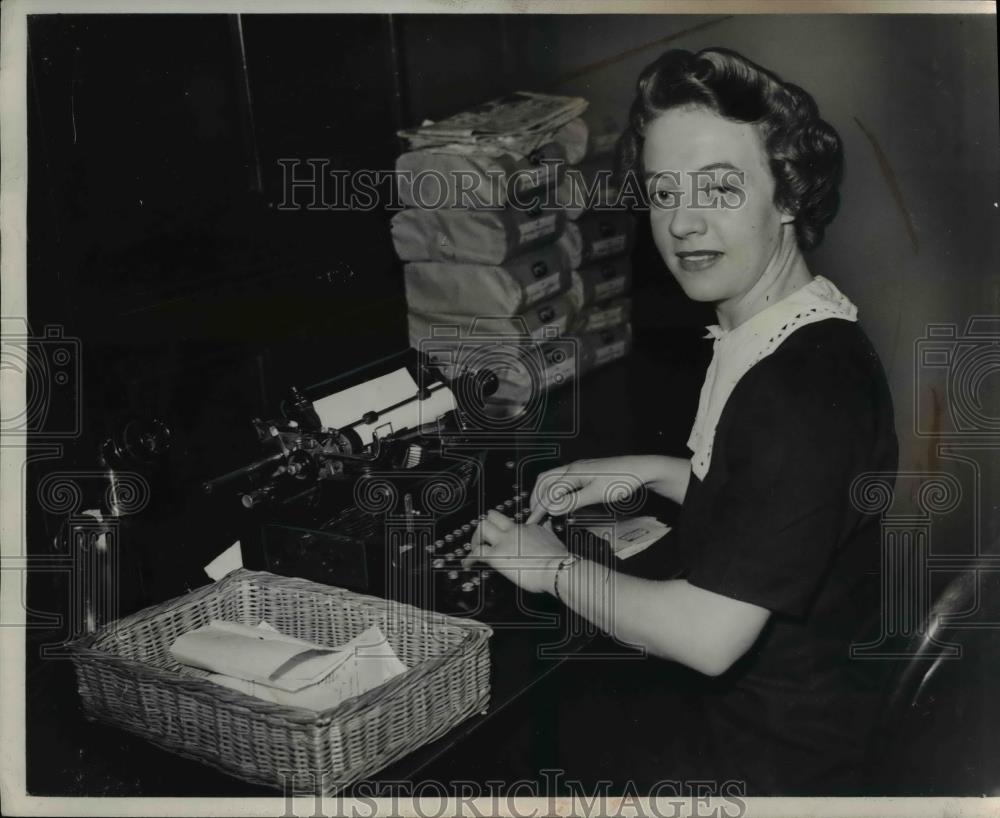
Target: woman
(779, 566)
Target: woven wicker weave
(127, 676)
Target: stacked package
(597, 242)
(487, 280)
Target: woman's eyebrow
(720, 166)
(650, 175)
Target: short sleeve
(785, 456)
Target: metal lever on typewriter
(301, 454)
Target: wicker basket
(127, 676)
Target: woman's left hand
(528, 555)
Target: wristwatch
(566, 562)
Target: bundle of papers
(634, 535)
(520, 122)
(284, 670)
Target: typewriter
(385, 498)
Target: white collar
(735, 351)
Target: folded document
(284, 670)
(634, 535)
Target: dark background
(161, 238)
(156, 236)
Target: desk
(66, 755)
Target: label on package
(609, 289)
(538, 228)
(608, 246)
(602, 319)
(610, 352)
(542, 289)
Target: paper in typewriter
(347, 407)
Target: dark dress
(772, 524)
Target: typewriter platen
(387, 503)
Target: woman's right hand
(559, 491)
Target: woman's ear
(786, 209)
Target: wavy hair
(805, 153)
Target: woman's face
(711, 202)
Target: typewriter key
(438, 563)
(453, 575)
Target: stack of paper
(521, 122)
(480, 243)
(284, 670)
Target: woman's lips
(693, 261)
